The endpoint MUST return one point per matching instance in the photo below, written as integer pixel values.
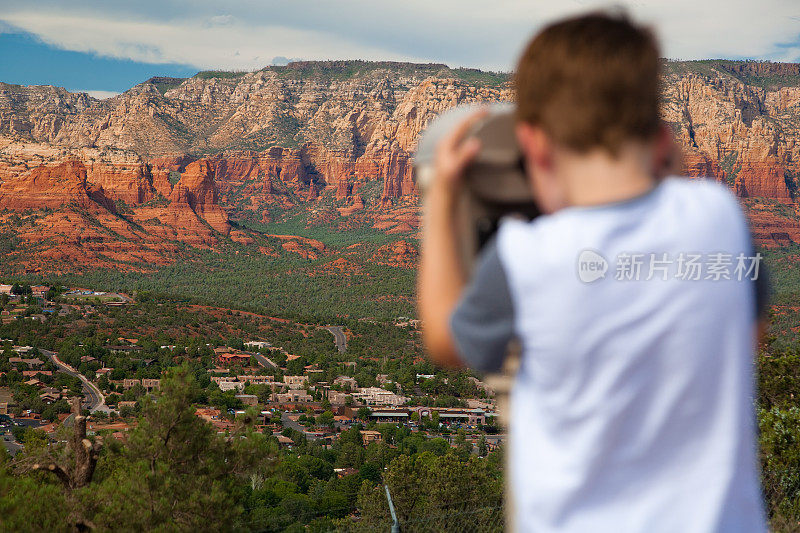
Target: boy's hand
(441, 276)
(454, 154)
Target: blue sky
(28, 61)
(106, 46)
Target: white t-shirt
(633, 408)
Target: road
(338, 337)
(95, 401)
(297, 426)
(264, 361)
(11, 445)
(289, 423)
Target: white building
(257, 345)
(296, 382)
(230, 385)
(378, 396)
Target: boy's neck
(597, 178)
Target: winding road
(94, 399)
(338, 337)
(264, 361)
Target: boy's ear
(667, 154)
(535, 146)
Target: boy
(633, 299)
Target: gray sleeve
(483, 322)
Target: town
(291, 396)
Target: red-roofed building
(40, 291)
(233, 359)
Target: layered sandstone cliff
(173, 157)
(107, 198)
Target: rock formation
(196, 191)
(171, 159)
(47, 187)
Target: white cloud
(230, 46)
(100, 95)
(220, 20)
(458, 32)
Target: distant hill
(223, 161)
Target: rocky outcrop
(397, 254)
(129, 182)
(284, 134)
(335, 139)
(742, 134)
(97, 205)
(304, 127)
(47, 187)
(197, 192)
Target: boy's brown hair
(591, 82)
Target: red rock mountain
(175, 160)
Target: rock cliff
(176, 158)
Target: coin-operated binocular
(494, 184)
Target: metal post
(395, 523)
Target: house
(342, 472)
(378, 396)
(255, 380)
(40, 291)
(390, 415)
(129, 383)
(126, 403)
(151, 384)
(248, 399)
(33, 373)
(233, 359)
(258, 345)
(34, 382)
(208, 414)
(293, 396)
(230, 385)
(296, 382)
(50, 398)
(343, 419)
(283, 440)
(6, 289)
(337, 398)
(369, 436)
(472, 417)
(123, 349)
(346, 382)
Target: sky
(106, 46)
